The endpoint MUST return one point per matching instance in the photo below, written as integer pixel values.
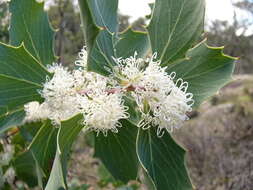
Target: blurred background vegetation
(219, 136)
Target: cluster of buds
(162, 100)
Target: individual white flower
(47, 3)
(103, 111)
(172, 112)
(60, 94)
(60, 97)
(91, 80)
(6, 154)
(6, 157)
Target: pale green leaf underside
(30, 25)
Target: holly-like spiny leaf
(99, 21)
(117, 152)
(206, 70)
(43, 148)
(175, 26)
(30, 25)
(20, 78)
(130, 42)
(67, 133)
(163, 160)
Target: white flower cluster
(67, 94)
(162, 101)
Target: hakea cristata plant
(162, 100)
(129, 91)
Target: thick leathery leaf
(117, 152)
(17, 63)
(175, 26)
(130, 42)
(163, 160)
(30, 25)
(25, 168)
(12, 119)
(67, 133)
(206, 70)
(20, 78)
(99, 21)
(100, 57)
(104, 13)
(43, 147)
(89, 27)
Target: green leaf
(130, 42)
(14, 93)
(29, 24)
(117, 152)
(206, 70)
(99, 21)
(17, 63)
(104, 13)
(29, 130)
(14, 119)
(163, 160)
(107, 46)
(25, 165)
(96, 16)
(25, 168)
(100, 57)
(43, 147)
(89, 27)
(175, 26)
(20, 78)
(67, 133)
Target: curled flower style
(82, 58)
